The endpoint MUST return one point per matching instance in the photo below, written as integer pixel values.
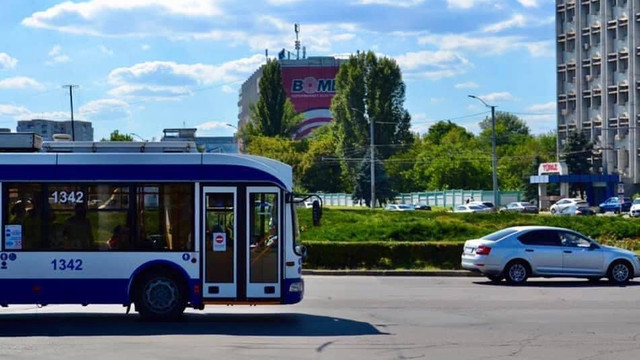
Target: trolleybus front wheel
(160, 296)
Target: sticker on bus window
(219, 241)
(13, 237)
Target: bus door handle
(568, 251)
(528, 250)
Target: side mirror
(316, 212)
(302, 251)
(594, 246)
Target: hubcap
(161, 295)
(620, 272)
(517, 273)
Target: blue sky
(146, 65)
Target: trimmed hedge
(382, 255)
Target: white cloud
(468, 4)
(211, 125)
(105, 109)
(432, 64)
(20, 82)
(485, 45)
(467, 85)
(229, 90)
(12, 110)
(517, 20)
(529, 3)
(145, 47)
(540, 124)
(542, 48)
(498, 96)
(170, 80)
(56, 56)
(549, 107)
(105, 50)
(396, 3)
(7, 62)
(108, 17)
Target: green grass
(361, 224)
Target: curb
(442, 273)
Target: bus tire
(160, 296)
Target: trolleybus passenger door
(264, 242)
(220, 245)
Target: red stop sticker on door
(219, 242)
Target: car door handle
(528, 250)
(568, 251)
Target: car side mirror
(316, 212)
(594, 246)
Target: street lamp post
(237, 131)
(373, 164)
(494, 157)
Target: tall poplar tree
(368, 89)
(273, 115)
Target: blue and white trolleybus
(156, 225)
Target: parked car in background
(520, 207)
(563, 205)
(517, 253)
(422, 207)
(399, 207)
(487, 204)
(616, 204)
(635, 208)
(471, 208)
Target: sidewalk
(445, 273)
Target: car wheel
(619, 272)
(495, 278)
(553, 211)
(516, 272)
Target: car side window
(540, 238)
(573, 240)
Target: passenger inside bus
(18, 212)
(77, 229)
(120, 238)
(32, 225)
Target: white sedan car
(569, 207)
(399, 207)
(517, 253)
(471, 208)
(635, 208)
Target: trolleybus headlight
(296, 287)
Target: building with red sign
(309, 84)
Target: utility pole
(494, 156)
(373, 159)
(373, 167)
(73, 128)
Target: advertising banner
(310, 89)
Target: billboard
(310, 89)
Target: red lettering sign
(550, 167)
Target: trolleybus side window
(264, 229)
(98, 217)
(165, 217)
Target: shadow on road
(579, 283)
(83, 324)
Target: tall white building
(598, 69)
(47, 128)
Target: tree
(438, 131)
(576, 153)
(320, 170)
(273, 114)
(370, 89)
(362, 188)
(510, 129)
(286, 150)
(117, 136)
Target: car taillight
(483, 250)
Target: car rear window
(500, 234)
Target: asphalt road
(354, 318)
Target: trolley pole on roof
(73, 128)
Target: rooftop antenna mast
(296, 28)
